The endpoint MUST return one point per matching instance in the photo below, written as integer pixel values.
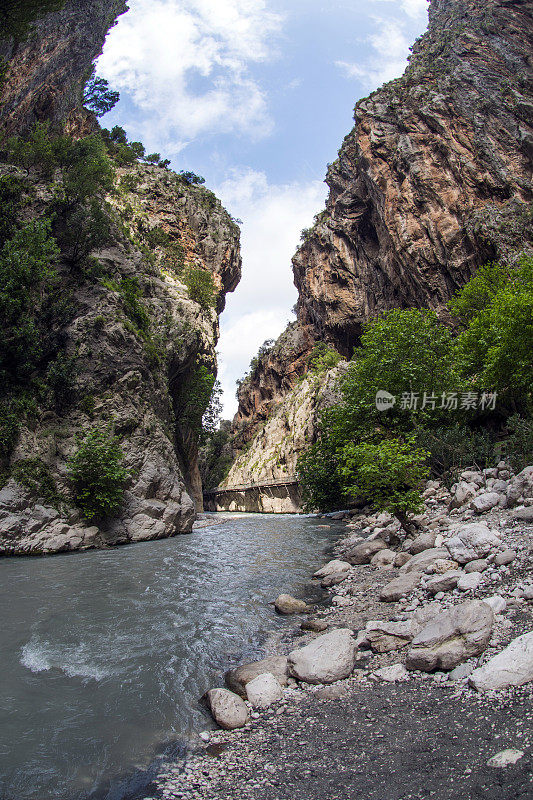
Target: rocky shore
(415, 681)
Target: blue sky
(256, 96)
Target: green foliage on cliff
(28, 280)
(36, 476)
(200, 285)
(98, 475)
(323, 358)
(18, 16)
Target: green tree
(98, 475)
(98, 97)
(387, 474)
(494, 350)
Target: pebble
(505, 757)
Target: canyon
(433, 181)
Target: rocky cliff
(43, 75)
(433, 181)
(132, 322)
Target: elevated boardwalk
(273, 496)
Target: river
(105, 654)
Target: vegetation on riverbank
(452, 398)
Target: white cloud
(186, 65)
(413, 8)
(274, 216)
(392, 48)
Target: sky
(256, 96)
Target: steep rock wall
(433, 181)
(137, 383)
(45, 74)
(436, 160)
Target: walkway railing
(242, 487)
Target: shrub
(61, 379)
(455, 447)
(494, 351)
(319, 478)
(191, 178)
(98, 475)
(27, 277)
(36, 476)
(323, 358)
(134, 309)
(201, 286)
(12, 200)
(388, 475)
(9, 432)
(520, 442)
(194, 395)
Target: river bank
(384, 732)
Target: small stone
(332, 568)
(505, 757)
(401, 559)
(524, 514)
(507, 557)
(484, 502)
(496, 602)
(205, 736)
(424, 541)
(445, 582)
(383, 558)
(399, 587)
(469, 582)
(462, 671)
(527, 594)
(478, 565)
(472, 541)
(315, 625)
(392, 674)
(286, 604)
(513, 666)
(363, 552)
(333, 580)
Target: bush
(455, 447)
(9, 432)
(36, 476)
(319, 478)
(27, 279)
(61, 379)
(520, 442)
(388, 475)
(323, 358)
(201, 286)
(191, 178)
(494, 351)
(98, 475)
(12, 200)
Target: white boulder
(228, 709)
(332, 568)
(264, 690)
(512, 667)
(471, 541)
(329, 658)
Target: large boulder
(237, 679)
(286, 604)
(400, 587)
(484, 502)
(383, 558)
(363, 552)
(425, 541)
(425, 560)
(327, 659)
(452, 637)
(228, 709)
(264, 690)
(521, 487)
(383, 637)
(471, 541)
(512, 667)
(462, 493)
(332, 568)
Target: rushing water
(105, 654)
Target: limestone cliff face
(433, 181)
(46, 73)
(436, 160)
(136, 382)
(275, 374)
(273, 452)
(137, 338)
